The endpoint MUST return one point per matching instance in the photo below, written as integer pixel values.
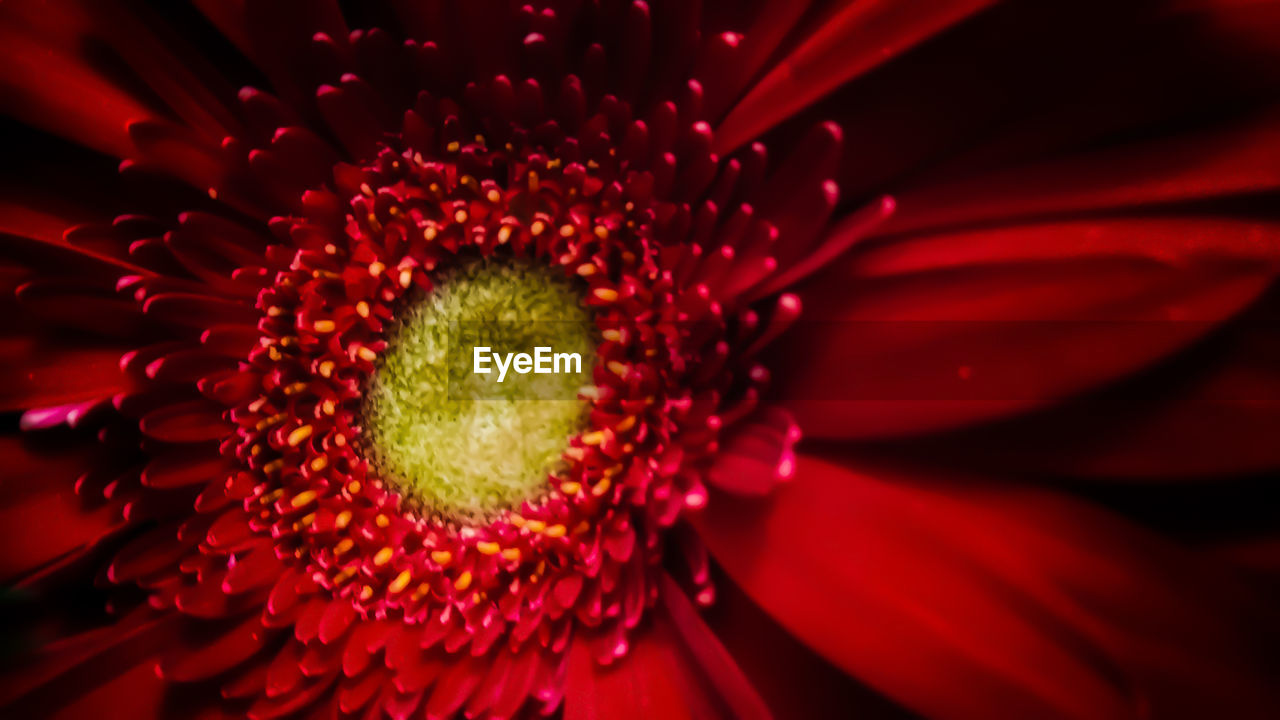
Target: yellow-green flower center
(464, 443)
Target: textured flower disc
(462, 443)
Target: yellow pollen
(330, 249)
(353, 487)
(343, 546)
(321, 462)
(533, 181)
(494, 196)
(504, 234)
(274, 311)
(303, 498)
(430, 233)
(406, 278)
(362, 309)
(295, 388)
(463, 582)
(344, 575)
(575, 453)
(566, 230)
(442, 557)
(556, 531)
(326, 368)
(488, 548)
(381, 520)
(602, 232)
(384, 556)
(367, 354)
(452, 147)
(586, 269)
(366, 592)
(602, 487)
(376, 268)
(274, 353)
(617, 368)
(364, 188)
(401, 582)
(273, 466)
(593, 438)
(328, 407)
(511, 554)
(298, 435)
(627, 423)
(460, 216)
(536, 526)
(570, 488)
(269, 421)
(537, 227)
(343, 519)
(256, 405)
(339, 440)
(606, 294)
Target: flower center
(457, 419)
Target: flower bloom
(1007, 284)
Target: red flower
(1037, 382)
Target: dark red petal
(979, 601)
(942, 331)
(723, 673)
(228, 649)
(1240, 159)
(189, 422)
(39, 373)
(658, 677)
(756, 455)
(48, 87)
(42, 518)
(856, 38)
(1212, 414)
(794, 680)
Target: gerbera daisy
(430, 359)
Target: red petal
(229, 648)
(188, 422)
(977, 602)
(1224, 161)
(936, 332)
(856, 38)
(38, 373)
(1196, 418)
(720, 668)
(49, 88)
(41, 516)
(756, 455)
(655, 679)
